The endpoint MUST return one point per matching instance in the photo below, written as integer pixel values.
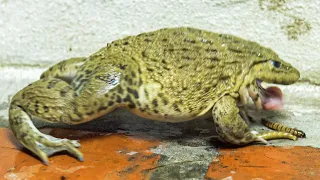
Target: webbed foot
(40, 144)
(43, 145)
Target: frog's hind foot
(45, 145)
(40, 144)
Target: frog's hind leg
(40, 144)
(47, 99)
(54, 100)
(65, 70)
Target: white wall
(37, 33)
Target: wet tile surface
(266, 162)
(123, 156)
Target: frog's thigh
(65, 70)
(229, 124)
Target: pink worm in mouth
(272, 99)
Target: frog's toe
(45, 145)
(263, 141)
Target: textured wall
(37, 33)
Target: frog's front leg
(229, 125)
(234, 130)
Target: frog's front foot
(233, 129)
(40, 144)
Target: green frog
(172, 75)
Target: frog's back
(183, 68)
(183, 52)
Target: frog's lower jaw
(40, 144)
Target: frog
(171, 75)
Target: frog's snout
(296, 75)
(290, 77)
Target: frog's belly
(166, 116)
(151, 105)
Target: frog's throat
(264, 98)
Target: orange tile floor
(118, 156)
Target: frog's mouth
(271, 97)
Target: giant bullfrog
(172, 75)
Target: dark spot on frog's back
(147, 40)
(90, 113)
(64, 91)
(133, 74)
(176, 107)
(189, 41)
(155, 102)
(102, 108)
(122, 66)
(184, 49)
(170, 49)
(88, 71)
(207, 89)
(134, 92)
(140, 82)
(164, 101)
(118, 99)
(120, 90)
(52, 83)
(128, 99)
(166, 68)
(146, 93)
(235, 50)
(126, 43)
(110, 103)
(213, 59)
(203, 107)
(149, 69)
(130, 81)
(144, 54)
(214, 51)
(186, 58)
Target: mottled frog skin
(172, 75)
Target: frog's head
(273, 70)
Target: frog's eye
(276, 64)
